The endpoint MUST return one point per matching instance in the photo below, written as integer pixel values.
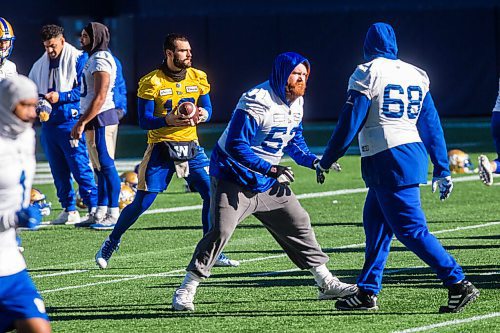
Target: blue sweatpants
(19, 300)
(155, 173)
(65, 160)
(397, 212)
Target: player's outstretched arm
(352, 118)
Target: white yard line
(111, 281)
(60, 273)
(449, 323)
(245, 260)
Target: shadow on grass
(151, 311)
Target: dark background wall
(456, 42)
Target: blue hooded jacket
(380, 41)
(241, 164)
(401, 165)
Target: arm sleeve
(74, 94)
(431, 133)
(147, 120)
(352, 118)
(241, 132)
(120, 88)
(204, 102)
(299, 151)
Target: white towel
(64, 76)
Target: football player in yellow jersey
(172, 142)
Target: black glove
(283, 174)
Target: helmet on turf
(460, 162)
(127, 195)
(7, 38)
(79, 201)
(38, 199)
(130, 178)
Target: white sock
(114, 211)
(101, 211)
(191, 281)
(321, 274)
(93, 210)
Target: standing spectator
(7, 38)
(99, 119)
(58, 75)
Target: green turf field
(266, 293)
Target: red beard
(294, 91)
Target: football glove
(320, 171)
(445, 185)
(29, 217)
(283, 174)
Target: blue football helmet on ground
(39, 200)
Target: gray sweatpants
(277, 208)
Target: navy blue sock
(143, 200)
(113, 184)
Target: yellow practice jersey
(167, 94)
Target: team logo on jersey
(165, 92)
(278, 118)
(191, 89)
(74, 113)
(365, 148)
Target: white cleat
(485, 172)
(335, 289)
(183, 300)
(224, 261)
(72, 217)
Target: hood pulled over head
(380, 41)
(12, 91)
(99, 37)
(284, 64)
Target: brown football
(187, 110)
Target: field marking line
(75, 271)
(244, 260)
(301, 196)
(112, 281)
(449, 323)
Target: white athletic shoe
(224, 261)
(335, 289)
(183, 300)
(72, 217)
(485, 172)
(108, 223)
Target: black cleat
(459, 295)
(358, 301)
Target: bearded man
(247, 179)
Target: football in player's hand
(189, 111)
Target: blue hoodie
(402, 165)
(238, 163)
(283, 66)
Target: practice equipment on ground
(39, 201)
(460, 162)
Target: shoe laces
(108, 248)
